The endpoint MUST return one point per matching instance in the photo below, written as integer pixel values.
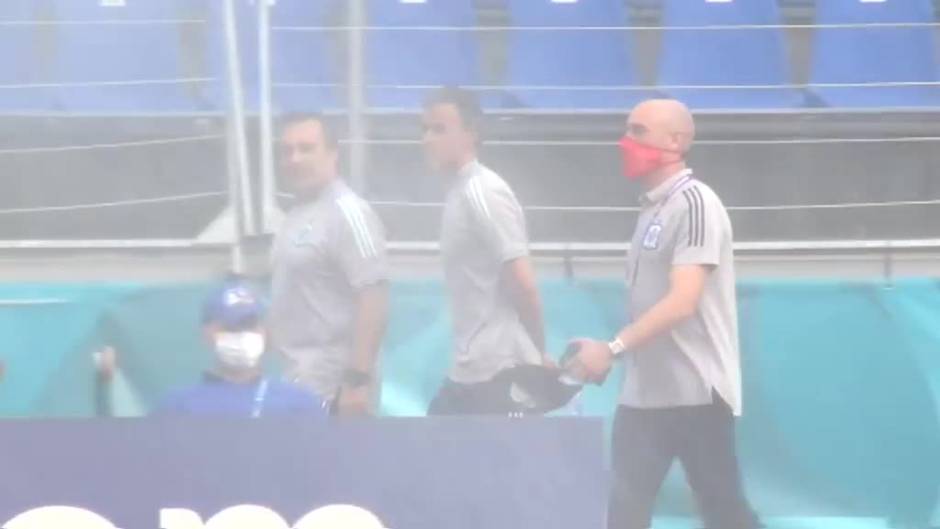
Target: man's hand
(548, 361)
(106, 363)
(594, 358)
(518, 277)
(355, 401)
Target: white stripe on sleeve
(477, 198)
(354, 217)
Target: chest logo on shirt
(304, 237)
(651, 237)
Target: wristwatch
(617, 348)
(355, 378)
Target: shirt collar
(331, 189)
(465, 173)
(468, 170)
(326, 193)
(661, 192)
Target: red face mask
(640, 159)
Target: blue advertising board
(459, 473)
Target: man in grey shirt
(329, 275)
(683, 379)
(494, 300)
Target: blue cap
(235, 306)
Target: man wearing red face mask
(683, 384)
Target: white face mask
(240, 349)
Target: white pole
(237, 118)
(356, 95)
(266, 126)
(237, 258)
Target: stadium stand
(132, 66)
(306, 57)
(876, 54)
(714, 58)
(541, 151)
(399, 59)
(22, 61)
(540, 62)
(305, 64)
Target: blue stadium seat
(875, 55)
(246, 24)
(305, 57)
(418, 58)
(571, 58)
(21, 60)
(702, 58)
(119, 53)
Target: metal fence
(249, 193)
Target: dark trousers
(483, 398)
(645, 443)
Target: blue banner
(178, 473)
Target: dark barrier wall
(412, 474)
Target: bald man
(682, 389)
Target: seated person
(235, 386)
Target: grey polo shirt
(683, 222)
(324, 253)
(483, 228)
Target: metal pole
(356, 94)
(237, 118)
(266, 127)
(237, 258)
